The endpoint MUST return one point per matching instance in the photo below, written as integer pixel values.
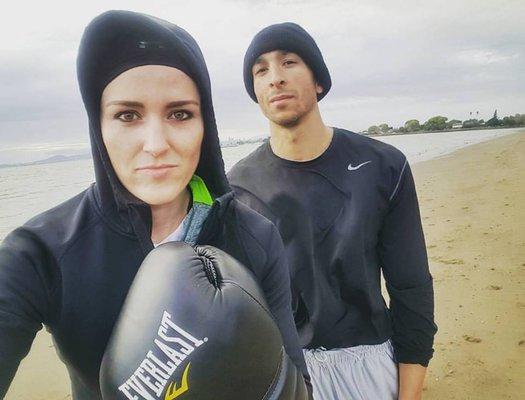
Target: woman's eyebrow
(138, 104)
(126, 103)
(182, 103)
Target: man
(347, 210)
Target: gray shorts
(353, 373)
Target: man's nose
(155, 137)
(276, 78)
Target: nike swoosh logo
(350, 168)
(173, 392)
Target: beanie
(290, 37)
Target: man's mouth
(280, 98)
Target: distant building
(459, 125)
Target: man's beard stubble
(293, 120)
(288, 122)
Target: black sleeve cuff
(409, 357)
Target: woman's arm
(23, 301)
(277, 290)
(275, 283)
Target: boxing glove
(195, 325)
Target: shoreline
(477, 128)
(471, 205)
(61, 158)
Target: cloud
(485, 57)
(389, 60)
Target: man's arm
(404, 261)
(411, 379)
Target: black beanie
(288, 37)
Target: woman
(159, 177)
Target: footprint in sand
(495, 287)
(471, 339)
(450, 373)
(448, 261)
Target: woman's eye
(180, 115)
(127, 116)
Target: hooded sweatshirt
(70, 268)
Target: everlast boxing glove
(195, 325)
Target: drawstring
(319, 354)
(140, 228)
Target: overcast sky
(390, 61)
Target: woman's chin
(159, 197)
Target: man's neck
(167, 217)
(302, 142)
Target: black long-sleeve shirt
(344, 217)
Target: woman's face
(152, 128)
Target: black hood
(116, 41)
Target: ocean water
(26, 191)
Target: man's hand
(411, 378)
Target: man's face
(285, 87)
(152, 128)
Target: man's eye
(127, 116)
(260, 70)
(180, 115)
(289, 62)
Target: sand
(473, 212)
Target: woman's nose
(155, 139)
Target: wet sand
(472, 206)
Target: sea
(26, 191)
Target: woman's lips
(156, 171)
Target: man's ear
(318, 88)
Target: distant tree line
(440, 123)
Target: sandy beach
(472, 207)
